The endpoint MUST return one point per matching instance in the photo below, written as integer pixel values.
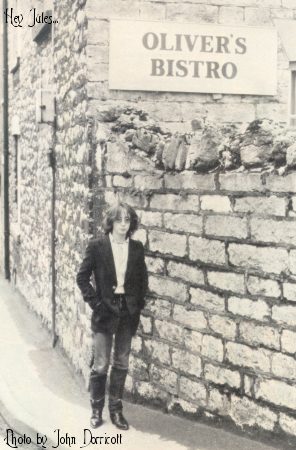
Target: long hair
(114, 212)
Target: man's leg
(119, 370)
(98, 376)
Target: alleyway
(39, 393)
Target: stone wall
(217, 337)
(174, 109)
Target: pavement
(40, 396)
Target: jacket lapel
(108, 257)
(130, 260)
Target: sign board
(182, 57)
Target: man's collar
(126, 241)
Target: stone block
(288, 341)
(158, 351)
(152, 11)
(223, 325)
(284, 314)
(226, 226)
(255, 335)
(231, 112)
(267, 259)
(193, 340)
(165, 378)
(97, 32)
(261, 205)
(287, 424)
(283, 366)
(277, 392)
(218, 402)
(193, 391)
(206, 250)
(155, 265)
(292, 261)
(151, 182)
(207, 300)
(186, 362)
(227, 281)
(168, 288)
(117, 8)
(242, 355)
(175, 202)
(149, 391)
(212, 348)
(263, 286)
(146, 324)
(257, 16)
(160, 309)
(192, 12)
(241, 182)
(168, 243)
(185, 272)
(268, 230)
(138, 368)
(277, 183)
(254, 309)
(169, 331)
(189, 180)
(191, 319)
(231, 15)
(189, 223)
(247, 412)
(150, 218)
(222, 375)
(289, 291)
(217, 203)
(120, 181)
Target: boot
(117, 380)
(97, 385)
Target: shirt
(120, 255)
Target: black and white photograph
(148, 224)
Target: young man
(118, 265)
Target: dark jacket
(98, 260)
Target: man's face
(121, 224)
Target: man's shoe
(118, 420)
(96, 418)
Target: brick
(288, 341)
(247, 412)
(188, 223)
(169, 331)
(273, 260)
(150, 218)
(192, 12)
(261, 205)
(292, 261)
(242, 355)
(248, 182)
(283, 366)
(205, 250)
(222, 375)
(193, 340)
(186, 362)
(231, 15)
(289, 290)
(217, 203)
(262, 286)
(168, 288)
(146, 324)
(138, 368)
(193, 391)
(158, 351)
(218, 402)
(136, 201)
(155, 265)
(190, 180)
(226, 226)
(259, 335)
(176, 202)
(159, 308)
(192, 319)
(174, 244)
(164, 378)
(276, 392)
(152, 11)
(277, 183)
(119, 180)
(267, 230)
(212, 348)
(207, 300)
(185, 272)
(284, 314)
(257, 309)
(287, 424)
(227, 281)
(152, 182)
(257, 16)
(223, 325)
(150, 391)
